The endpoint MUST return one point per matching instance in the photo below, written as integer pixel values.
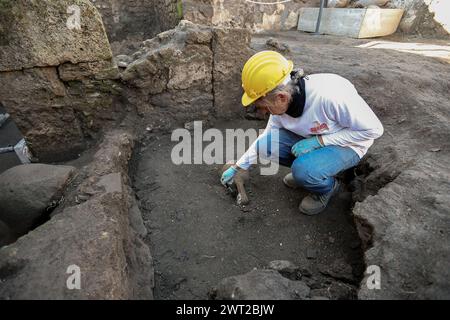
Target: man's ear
(283, 97)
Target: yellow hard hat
(262, 73)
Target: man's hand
(305, 146)
(228, 175)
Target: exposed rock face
(27, 191)
(260, 285)
(424, 17)
(188, 73)
(91, 231)
(138, 18)
(56, 81)
(410, 219)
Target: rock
(89, 236)
(338, 3)
(26, 191)
(98, 70)
(335, 291)
(405, 229)
(289, 20)
(286, 268)
(123, 60)
(306, 272)
(338, 270)
(278, 46)
(367, 3)
(260, 285)
(111, 182)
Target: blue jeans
(314, 170)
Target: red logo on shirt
(319, 127)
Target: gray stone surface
(26, 191)
(260, 285)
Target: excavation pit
(198, 235)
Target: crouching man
(322, 126)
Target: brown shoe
(316, 203)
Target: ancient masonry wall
(141, 19)
(57, 75)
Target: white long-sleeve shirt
(333, 109)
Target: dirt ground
(199, 236)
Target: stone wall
(56, 81)
(244, 14)
(188, 73)
(137, 19)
